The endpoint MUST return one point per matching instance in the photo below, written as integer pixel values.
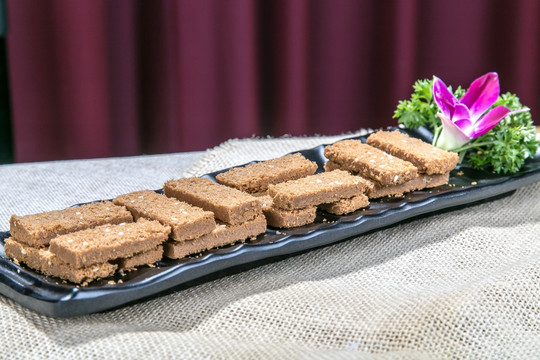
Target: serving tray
(51, 296)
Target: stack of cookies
(433, 164)
(336, 191)
(84, 243)
(255, 179)
(290, 192)
(393, 162)
(238, 215)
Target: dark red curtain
(121, 77)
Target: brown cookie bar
(49, 264)
(345, 206)
(377, 190)
(330, 166)
(426, 157)
(370, 162)
(144, 258)
(255, 178)
(316, 189)
(107, 242)
(38, 229)
(432, 181)
(419, 183)
(186, 221)
(280, 218)
(223, 234)
(228, 205)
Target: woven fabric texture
(461, 284)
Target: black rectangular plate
(51, 296)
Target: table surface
(460, 284)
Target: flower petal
(444, 99)
(482, 93)
(466, 126)
(451, 136)
(461, 112)
(491, 119)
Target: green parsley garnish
(504, 149)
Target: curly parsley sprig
(504, 149)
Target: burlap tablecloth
(462, 284)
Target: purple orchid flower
(466, 119)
